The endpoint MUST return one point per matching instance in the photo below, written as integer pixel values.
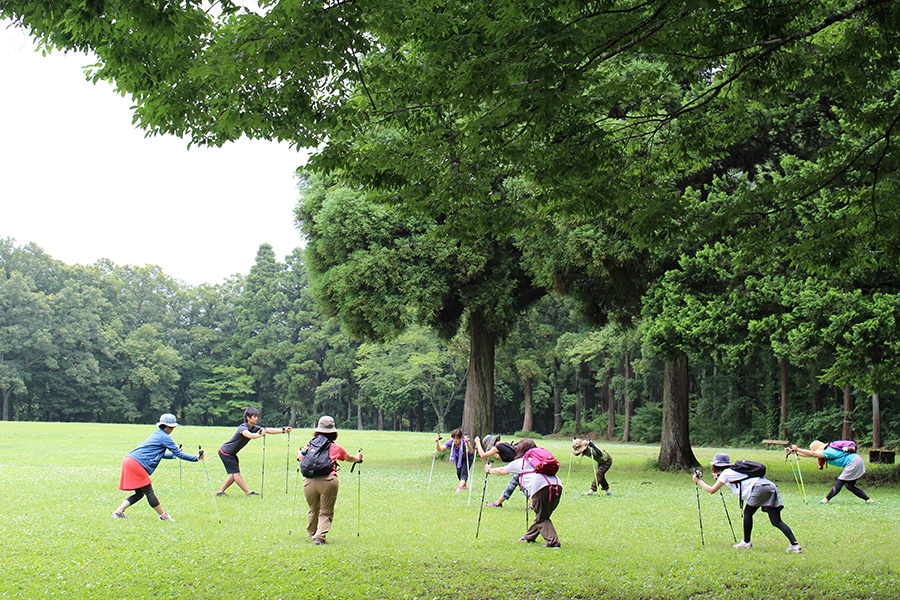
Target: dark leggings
(850, 485)
(774, 518)
(139, 493)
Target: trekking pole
(287, 463)
(465, 448)
(180, 487)
(358, 492)
(699, 516)
(727, 514)
(569, 474)
(262, 483)
(294, 503)
(798, 475)
(483, 493)
(433, 456)
(211, 491)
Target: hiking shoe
(553, 546)
(460, 488)
(609, 493)
(823, 501)
(794, 548)
(524, 539)
(119, 515)
(495, 504)
(319, 541)
(252, 494)
(220, 493)
(165, 517)
(743, 544)
(870, 501)
(591, 493)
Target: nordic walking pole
(433, 456)
(294, 503)
(358, 492)
(211, 491)
(262, 483)
(569, 474)
(699, 516)
(180, 487)
(464, 446)
(798, 474)
(483, 493)
(287, 463)
(727, 514)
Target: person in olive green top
(601, 457)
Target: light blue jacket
(158, 446)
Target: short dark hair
(249, 412)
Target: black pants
(139, 493)
(850, 485)
(774, 513)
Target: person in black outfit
(246, 431)
(506, 452)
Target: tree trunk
(528, 423)
(675, 447)
(876, 421)
(579, 398)
(782, 432)
(587, 392)
(379, 420)
(626, 435)
(5, 404)
(478, 410)
(611, 404)
(557, 400)
(359, 423)
(420, 416)
(847, 430)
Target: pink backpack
(542, 461)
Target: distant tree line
(768, 357)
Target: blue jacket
(158, 446)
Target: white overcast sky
(79, 180)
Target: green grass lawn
(59, 486)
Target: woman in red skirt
(143, 460)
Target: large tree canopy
(603, 104)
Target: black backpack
(317, 461)
(750, 468)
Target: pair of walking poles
(699, 474)
(262, 484)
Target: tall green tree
(378, 272)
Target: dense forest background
(110, 343)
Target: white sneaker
(795, 548)
(119, 515)
(165, 517)
(743, 544)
